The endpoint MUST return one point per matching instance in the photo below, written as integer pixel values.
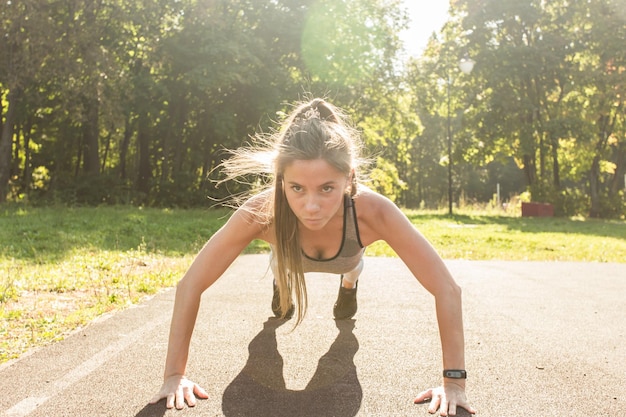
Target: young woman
(317, 218)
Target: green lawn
(490, 237)
(62, 267)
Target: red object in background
(537, 210)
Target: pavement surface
(541, 339)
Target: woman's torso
(350, 251)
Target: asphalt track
(542, 339)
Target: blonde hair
(313, 130)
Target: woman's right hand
(177, 389)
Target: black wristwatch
(455, 373)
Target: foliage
(385, 179)
(550, 92)
(141, 96)
(133, 102)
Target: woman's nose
(312, 204)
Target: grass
(62, 267)
(481, 236)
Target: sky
(427, 16)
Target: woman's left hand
(446, 399)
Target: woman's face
(314, 191)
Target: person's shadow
(259, 390)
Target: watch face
(455, 374)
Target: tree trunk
(6, 138)
(128, 132)
(556, 176)
(177, 136)
(594, 187)
(606, 124)
(618, 182)
(530, 171)
(542, 157)
(107, 148)
(26, 175)
(79, 155)
(145, 171)
(91, 157)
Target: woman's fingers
(200, 392)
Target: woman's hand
(176, 390)
(446, 399)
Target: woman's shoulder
(374, 208)
(368, 201)
(256, 211)
(373, 212)
(260, 201)
(378, 217)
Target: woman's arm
(210, 263)
(383, 220)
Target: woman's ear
(351, 186)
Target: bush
(612, 206)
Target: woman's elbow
(190, 286)
(449, 291)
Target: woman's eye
(296, 188)
(328, 188)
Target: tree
(534, 66)
(602, 77)
(119, 100)
(26, 31)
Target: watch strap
(455, 373)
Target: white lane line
(30, 404)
